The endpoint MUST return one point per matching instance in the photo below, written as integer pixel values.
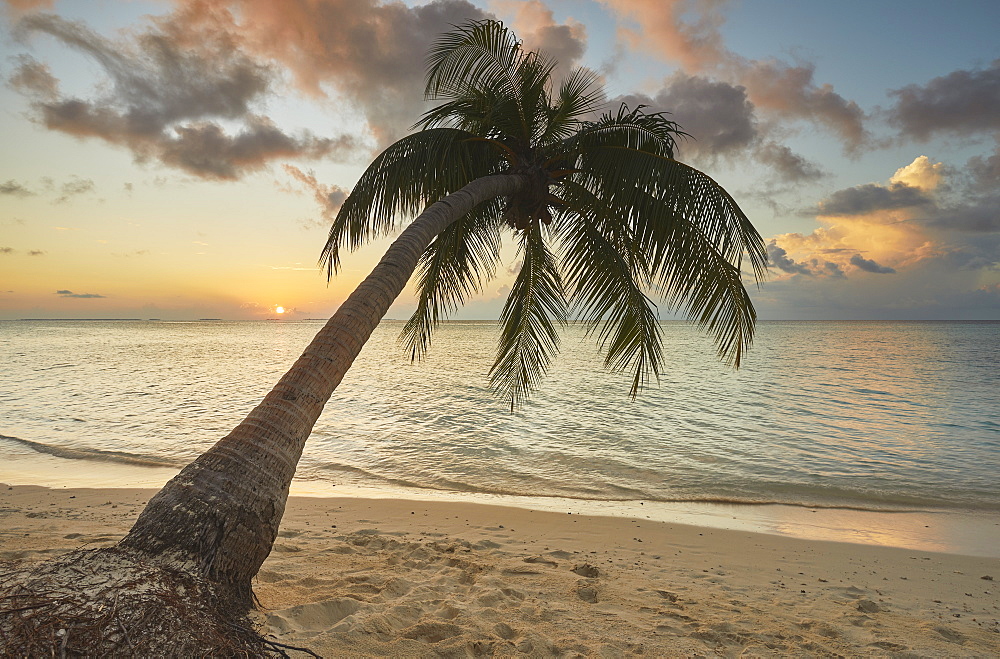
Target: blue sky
(862, 139)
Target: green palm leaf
(451, 269)
(608, 277)
(528, 337)
(415, 171)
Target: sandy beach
(352, 577)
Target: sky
(182, 159)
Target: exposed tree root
(115, 602)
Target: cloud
(34, 79)
(722, 123)
(717, 115)
(73, 188)
(17, 6)
(366, 51)
(871, 197)
(170, 86)
(329, 197)
(7, 250)
(13, 188)
(980, 215)
(921, 173)
(870, 266)
(688, 33)
(940, 243)
(65, 293)
(535, 24)
(789, 91)
(205, 149)
(36, 252)
(778, 257)
(960, 103)
(789, 165)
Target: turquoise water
(866, 415)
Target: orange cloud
(535, 24)
(871, 228)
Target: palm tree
(501, 151)
(603, 215)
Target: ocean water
(881, 416)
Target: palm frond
(692, 233)
(414, 172)
(481, 111)
(451, 269)
(485, 55)
(643, 184)
(631, 129)
(528, 337)
(579, 95)
(607, 275)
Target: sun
(279, 310)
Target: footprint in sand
(587, 593)
(587, 570)
(311, 619)
(432, 632)
(950, 634)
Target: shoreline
(399, 577)
(973, 533)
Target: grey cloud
(984, 172)
(983, 252)
(207, 150)
(535, 24)
(778, 257)
(962, 102)
(689, 32)
(978, 215)
(788, 164)
(833, 270)
(7, 250)
(75, 187)
(868, 265)
(167, 87)
(36, 252)
(329, 197)
(65, 293)
(12, 187)
(871, 197)
(34, 79)
(565, 44)
(716, 114)
(722, 123)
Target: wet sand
(390, 577)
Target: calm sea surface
(869, 415)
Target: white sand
(368, 577)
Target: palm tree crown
(604, 219)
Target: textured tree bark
(220, 514)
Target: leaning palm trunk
(220, 514)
